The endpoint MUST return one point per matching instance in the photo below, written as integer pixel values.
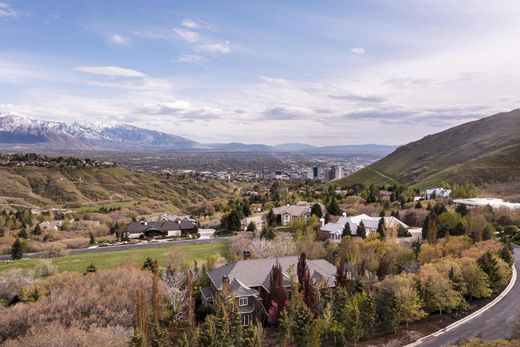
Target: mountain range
(485, 152)
(28, 132)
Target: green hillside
(34, 186)
(485, 152)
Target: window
(245, 319)
(242, 301)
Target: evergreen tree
(91, 268)
(333, 207)
(92, 239)
(506, 255)
(346, 230)
(267, 233)
(16, 249)
(301, 324)
(151, 265)
(489, 265)
(251, 226)
(418, 205)
(37, 230)
(22, 233)
(271, 218)
(252, 336)
(361, 230)
(301, 268)
(316, 210)
(381, 228)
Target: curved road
(124, 247)
(497, 322)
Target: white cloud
(110, 71)
(216, 48)
(187, 35)
(190, 23)
(7, 11)
(119, 40)
(357, 50)
(190, 58)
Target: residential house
(162, 228)
(334, 231)
(53, 225)
(284, 214)
(250, 282)
(438, 193)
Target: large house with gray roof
(334, 231)
(161, 228)
(250, 282)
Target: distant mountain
(485, 152)
(28, 132)
(22, 130)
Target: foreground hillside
(34, 186)
(485, 152)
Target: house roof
(293, 210)
(354, 221)
(141, 227)
(256, 272)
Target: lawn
(109, 259)
(98, 208)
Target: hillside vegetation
(485, 152)
(33, 186)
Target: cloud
(110, 71)
(190, 58)
(190, 23)
(286, 113)
(118, 40)
(215, 48)
(357, 50)
(187, 35)
(7, 11)
(358, 98)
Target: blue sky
(320, 72)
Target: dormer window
(242, 301)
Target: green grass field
(106, 260)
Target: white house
(438, 193)
(335, 230)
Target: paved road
(125, 247)
(497, 322)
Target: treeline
(35, 159)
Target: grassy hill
(485, 152)
(34, 186)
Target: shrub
(56, 250)
(45, 268)
(11, 282)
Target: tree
(92, 239)
(271, 218)
(316, 210)
(505, 254)
(351, 318)
(91, 268)
(381, 228)
(333, 207)
(346, 230)
(462, 210)
(37, 230)
(278, 295)
(476, 282)
(267, 233)
(301, 326)
(251, 226)
(361, 230)
(489, 265)
(437, 290)
(17, 249)
(151, 265)
(22, 233)
(301, 268)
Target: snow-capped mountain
(23, 130)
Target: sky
(317, 72)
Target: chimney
(322, 221)
(246, 254)
(344, 214)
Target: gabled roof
(354, 221)
(256, 272)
